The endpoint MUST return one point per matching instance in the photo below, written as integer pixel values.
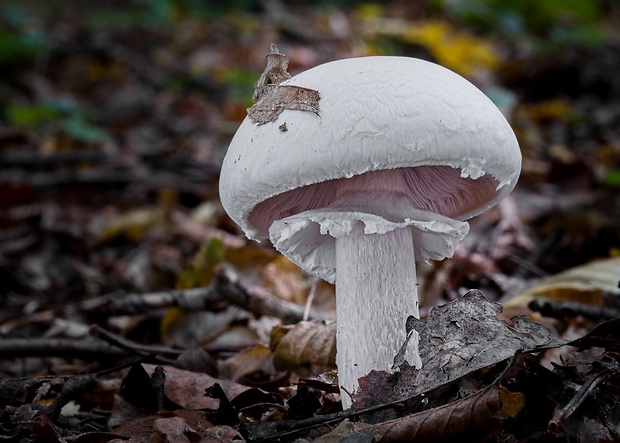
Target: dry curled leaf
(474, 417)
(281, 97)
(466, 335)
(275, 72)
(307, 342)
(271, 98)
(605, 335)
(187, 388)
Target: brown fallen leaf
(307, 342)
(248, 361)
(187, 389)
(141, 429)
(287, 280)
(477, 416)
(181, 425)
(221, 434)
(174, 429)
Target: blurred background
(115, 117)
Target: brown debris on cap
(270, 98)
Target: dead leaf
(275, 72)
(250, 262)
(202, 269)
(174, 429)
(477, 416)
(287, 280)
(307, 342)
(45, 430)
(221, 434)
(165, 426)
(197, 359)
(187, 389)
(338, 434)
(595, 283)
(466, 335)
(303, 404)
(270, 98)
(457, 337)
(278, 98)
(250, 360)
(605, 335)
(134, 224)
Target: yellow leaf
(133, 224)
(512, 402)
(202, 270)
(559, 109)
(250, 257)
(368, 11)
(171, 318)
(590, 284)
(456, 50)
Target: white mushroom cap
(446, 139)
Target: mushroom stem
(376, 292)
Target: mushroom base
(376, 292)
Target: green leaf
(31, 117)
(16, 47)
(63, 116)
(612, 178)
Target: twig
(286, 430)
(132, 347)
(563, 309)
(59, 347)
(556, 423)
(227, 288)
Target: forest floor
(133, 309)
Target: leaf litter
(110, 147)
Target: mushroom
(380, 173)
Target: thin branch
(226, 289)
(560, 416)
(59, 347)
(132, 347)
